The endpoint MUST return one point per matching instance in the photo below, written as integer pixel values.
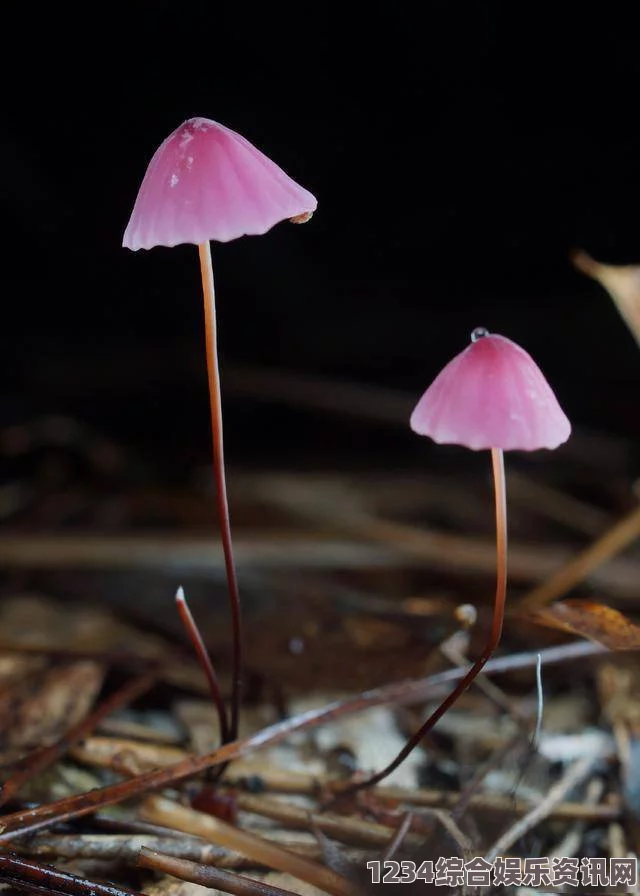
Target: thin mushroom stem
(215, 400)
(499, 483)
(205, 661)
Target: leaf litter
(325, 638)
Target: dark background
(457, 158)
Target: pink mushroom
(491, 396)
(206, 182)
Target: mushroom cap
(206, 182)
(491, 395)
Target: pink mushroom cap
(491, 395)
(206, 182)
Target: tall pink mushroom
(492, 396)
(206, 182)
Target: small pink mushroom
(490, 396)
(206, 182)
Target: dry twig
(208, 876)
(614, 540)
(574, 776)
(33, 877)
(354, 831)
(164, 811)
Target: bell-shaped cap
(205, 182)
(491, 395)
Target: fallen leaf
(32, 620)
(38, 710)
(622, 282)
(36, 622)
(597, 622)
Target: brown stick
(163, 811)
(47, 879)
(398, 545)
(281, 781)
(354, 831)
(125, 848)
(208, 876)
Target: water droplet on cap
(479, 333)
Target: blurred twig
(403, 546)
(614, 540)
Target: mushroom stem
(205, 661)
(215, 400)
(499, 483)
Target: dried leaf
(622, 282)
(37, 711)
(597, 622)
(34, 620)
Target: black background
(458, 153)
